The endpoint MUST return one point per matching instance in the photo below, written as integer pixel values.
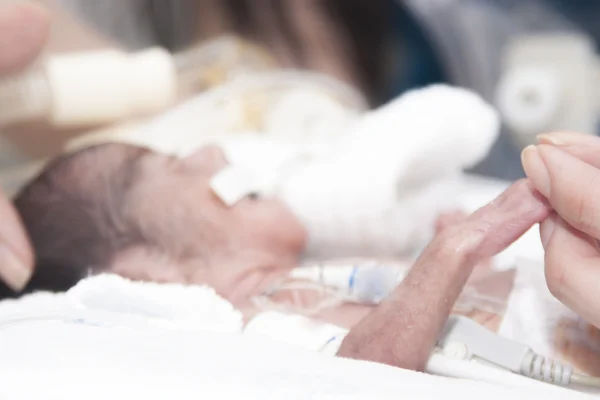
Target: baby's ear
(143, 264)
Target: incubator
(536, 60)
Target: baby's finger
(573, 270)
(495, 226)
(585, 147)
(449, 218)
(24, 28)
(571, 186)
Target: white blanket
(111, 338)
(60, 361)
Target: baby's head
(147, 216)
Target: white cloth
(120, 302)
(112, 338)
(297, 330)
(380, 192)
(67, 362)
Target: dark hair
(363, 28)
(75, 217)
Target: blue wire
(352, 278)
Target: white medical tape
(232, 184)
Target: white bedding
(112, 338)
(74, 361)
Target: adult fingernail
(567, 138)
(547, 229)
(536, 170)
(12, 271)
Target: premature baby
(146, 215)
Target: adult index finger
(24, 28)
(571, 186)
(580, 145)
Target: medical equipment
(472, 40)
(535, 317)
(90, 88)
(549, 82)
(461, 339)
(97, 87)
(364, 283)
(464, 339)
(316, 286)
(251, 104)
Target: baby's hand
(404, 328)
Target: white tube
(441, 365)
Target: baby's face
(255, 233)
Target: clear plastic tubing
(365, 284)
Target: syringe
(98, 87)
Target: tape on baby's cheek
(298, 331)
(253, 168)
(232, 184)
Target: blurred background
(536, 60)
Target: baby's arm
(403, 329)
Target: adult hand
(403, 329)
(564, 168)
(24, 29)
